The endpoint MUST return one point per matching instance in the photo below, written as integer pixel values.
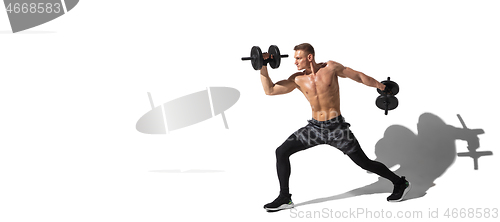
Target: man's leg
(283, 153)
(359, 157)
(401, 185)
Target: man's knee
(289, 147)
(366, 165)
(361, 159)
(281, 152)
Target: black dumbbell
(387, 100)
(258, 61)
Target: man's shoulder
(292, 77)
(333, 64)
(335, 67)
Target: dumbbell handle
(250, 58)
(386, 106)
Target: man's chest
(315, 84)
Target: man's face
(301, 60)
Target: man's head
(304, 55)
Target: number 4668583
(34, 8)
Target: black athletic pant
(293, 145)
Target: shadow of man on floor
(421, 158)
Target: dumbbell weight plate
(393, 85)
(275, 53)
(257, 60)
(381, 101)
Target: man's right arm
(281, 87)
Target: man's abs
(323, 113)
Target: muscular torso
(321, 90)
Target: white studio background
(73, 89)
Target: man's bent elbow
(269, 92)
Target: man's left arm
(357, 76)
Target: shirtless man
(319, 84)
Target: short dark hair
(306, 47)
